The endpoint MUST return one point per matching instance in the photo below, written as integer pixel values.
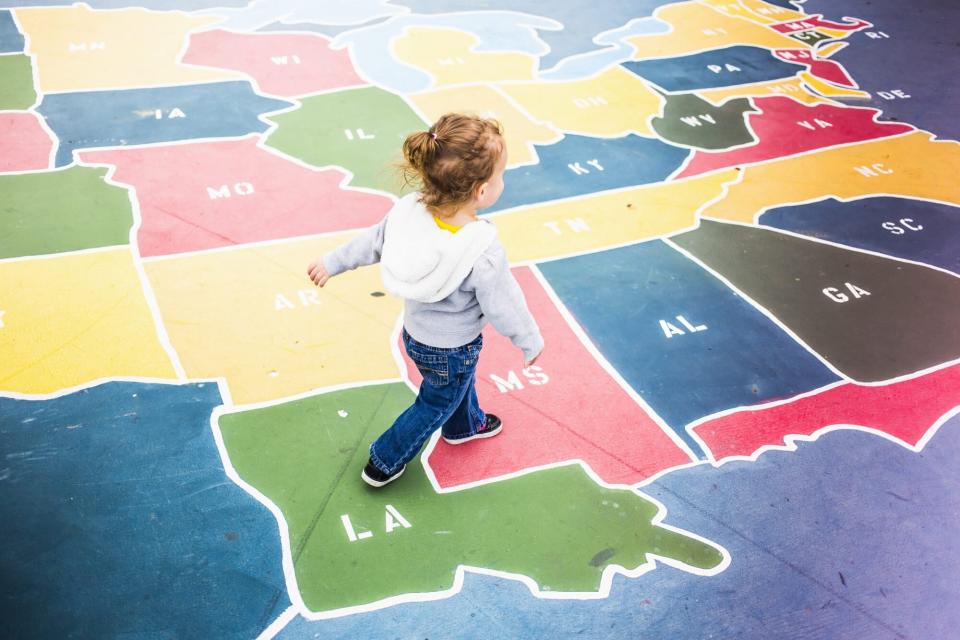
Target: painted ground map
(736, 222)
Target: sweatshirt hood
(422, 262)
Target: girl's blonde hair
(452, 158)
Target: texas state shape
(214, 194)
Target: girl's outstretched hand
(533, 360)
(318, 272)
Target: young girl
(452, 272)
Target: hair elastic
(433, 135)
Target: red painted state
(816, 21)
(784, 127)
(215, 194)
(577, 412)
(282, 64)
(24, 144)
(905, 410)
(828, 70)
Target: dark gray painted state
(690, 120)
(909, 322)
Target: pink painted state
(24, 144)
(282, 64)
(579, 413)
(816, 22)
(778, 129)
(828, 70)
(178, 188)
(904, 410)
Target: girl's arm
(502, 302)
(363, 250)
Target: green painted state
(16, 83)
(690, 120)
(65, 210)
(361, 130)
(556, 526)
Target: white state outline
(177, 62)
(758, 143)
(756, 223)
(609, 572)
(338, 41)
(790, 439)
(253, 80)
(229, 407)
(574, 327)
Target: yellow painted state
(545, 231)
(791, 88)
(828, 89)
(830, 49)
(735, 9)
(612, 103)
(920, 166)
(519, 130)
(696, 27)
(73, 319)
(240, 314)
(78, 48)
(448, 55)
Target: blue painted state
(742, 358)
(116, 118)
(260, 13)
(581, 24)
(849, 503)
(926, 232)
(119, 521)
(724, 67)
(911, 48)
(11, 40)
(564, 169)
(615, 50)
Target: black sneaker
(376, 478)
(492, 427)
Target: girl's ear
(481, 191)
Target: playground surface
(736, 222)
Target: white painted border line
(606, 579)
(756, 305)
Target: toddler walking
(452, 272)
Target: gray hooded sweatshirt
(452, 283)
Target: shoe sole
(478, 436)
(375, 483)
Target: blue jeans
(447, 400)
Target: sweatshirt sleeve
(363, 250)
(503, 304)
